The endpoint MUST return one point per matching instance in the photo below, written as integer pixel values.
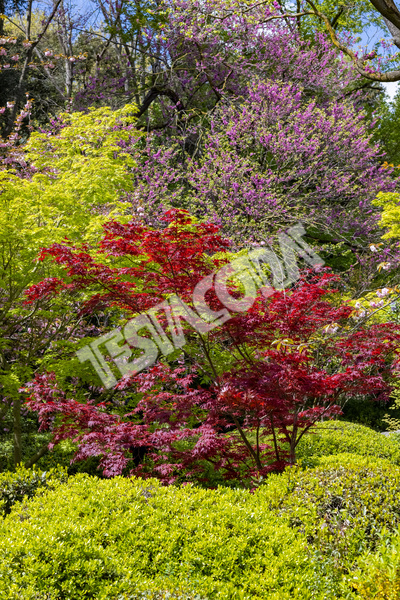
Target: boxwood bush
(336, 437)
(300, 535)
(378, 576)
(100, 539)
(14, 486)
(343, 506)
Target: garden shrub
(378, 576)
(336, 437)
(100, 539)
(14, 486)
(298, 536)
(344, 505)
(144, 595)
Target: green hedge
(14, 486)
(337, 437)
(311, 534)
(343, 507)
(99, 539)
(299, 536)
(378, 575)
(160, 595)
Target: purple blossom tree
(268, 160)
(247, 124)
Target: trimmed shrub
(378, 576)
(100, 539)
(149, 595)
(14, 486)
(298, 536)
(344, 505)
(160, 595)
(337, 437)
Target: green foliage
(59, 457)
(106, 538)
(392, 419)
(387, 130)
(378, 575)
(344, 504)
(354, 17)
(344, 507)
(81, 176)
(137, 15)
(14, 486)
(336, 437)
(79, 179)
(160, 595)
(390, 203)
(369, 412)
(31, 443)
(298, 536)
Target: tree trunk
(17, 431)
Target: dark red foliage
(168, 260)
(294, 357)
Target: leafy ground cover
(307, 533)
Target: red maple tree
(239, 396)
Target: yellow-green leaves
(81, 181)
(297, 537)
(390, 219)
(103, 539)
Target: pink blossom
(383, 292)
(376, 304)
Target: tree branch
(20, 87)
(153, 94)
(388, 10)
(41, 452)
(358, 63)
